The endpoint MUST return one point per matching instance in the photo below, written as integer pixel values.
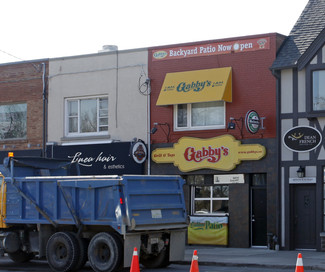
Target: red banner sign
(211, 49)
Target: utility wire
(11, 55)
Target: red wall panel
(22, 82)
(253, 87)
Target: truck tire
(104, 252)
(83, 256)
(155, 261)
(20, 256)
(62, 252)
(120, 245)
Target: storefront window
(87, 116)
(205, 115)
(259, 180)
(210, 199)
(319, 90)
(13, 121)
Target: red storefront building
(23, 103)
(213, 121)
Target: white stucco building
(98, 99)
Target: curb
(277, 266)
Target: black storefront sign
(21, 153)
(99, 159)
(302, 139)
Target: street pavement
(255, 257)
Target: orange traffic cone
(299, 265)
(135, 267)
(195, 263)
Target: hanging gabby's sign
(220, 153)
(302, 139)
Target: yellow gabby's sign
(196, 86)
(208, 230)
(219, 153)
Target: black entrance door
(258, 217)
(304, 216)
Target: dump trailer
(47, 213)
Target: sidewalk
(255, 257)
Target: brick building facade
(239, 67)
(21, 107)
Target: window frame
(312, 89)
(79, 133)
(211, 199)
(189, 119)
(25, 120)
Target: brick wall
(22, 83)
(253, 87)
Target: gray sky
(37, 29)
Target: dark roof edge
(279, 67)
(312, 50)
(274, 69)
(24, 62)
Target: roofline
(74, 56)
(24, 61)
(311, 50)
(101, 53)
(274, 69)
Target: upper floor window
(13, 121)
(319, 90)
(204, 115)
(87, 116)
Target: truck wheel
(155, 261)
(83, 247)
(104, 252)
(119, 242)
(62, 252)
(20, 256)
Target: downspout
(44, 112)
(149, 132)
(147, 92)
(116, 91)
(277, 75)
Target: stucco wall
(115, 74)
(296, 97)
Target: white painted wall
(286, 91)
(302, 91)
(115, 74)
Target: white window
(87, 116)
(319, 90)
(204, 115)
(13, 121)
(210, 200)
